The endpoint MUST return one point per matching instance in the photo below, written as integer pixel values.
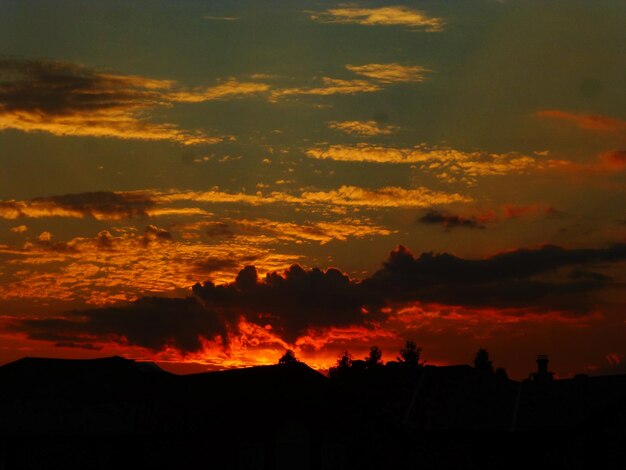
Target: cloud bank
(295, 303)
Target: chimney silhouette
(542, 375)
(542, 364)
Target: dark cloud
(68, 99)
(102, 205)
(86, 346)
(213, 264)
(56, 88)
(541, 280)
(293, 302)
(105, 241)
(525, 278)
(219, 229)
(151, 322)
(450, 221)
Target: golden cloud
(383, 16)
(362, 128)
(390, 73)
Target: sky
(207, 183)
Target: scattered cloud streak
(377, 76)
(447, 164)
(321, 232)
(108, 205)
(349, 196)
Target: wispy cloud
(391, 73)
(221, 18)
(384, 16)
(362, 128)
(230, 88)
(329, 86)
(377, 77)
(73, 100)
(590, 122)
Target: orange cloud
(383, 16)
(613, 161)
(123, 264)
(517, 211)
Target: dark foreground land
(115, 413)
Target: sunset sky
(330, 176)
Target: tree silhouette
(373, 359)
(344, 362)
(482, 362)
(288, 358)
(410, 355)
(501, 373)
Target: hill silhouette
(120, 413)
